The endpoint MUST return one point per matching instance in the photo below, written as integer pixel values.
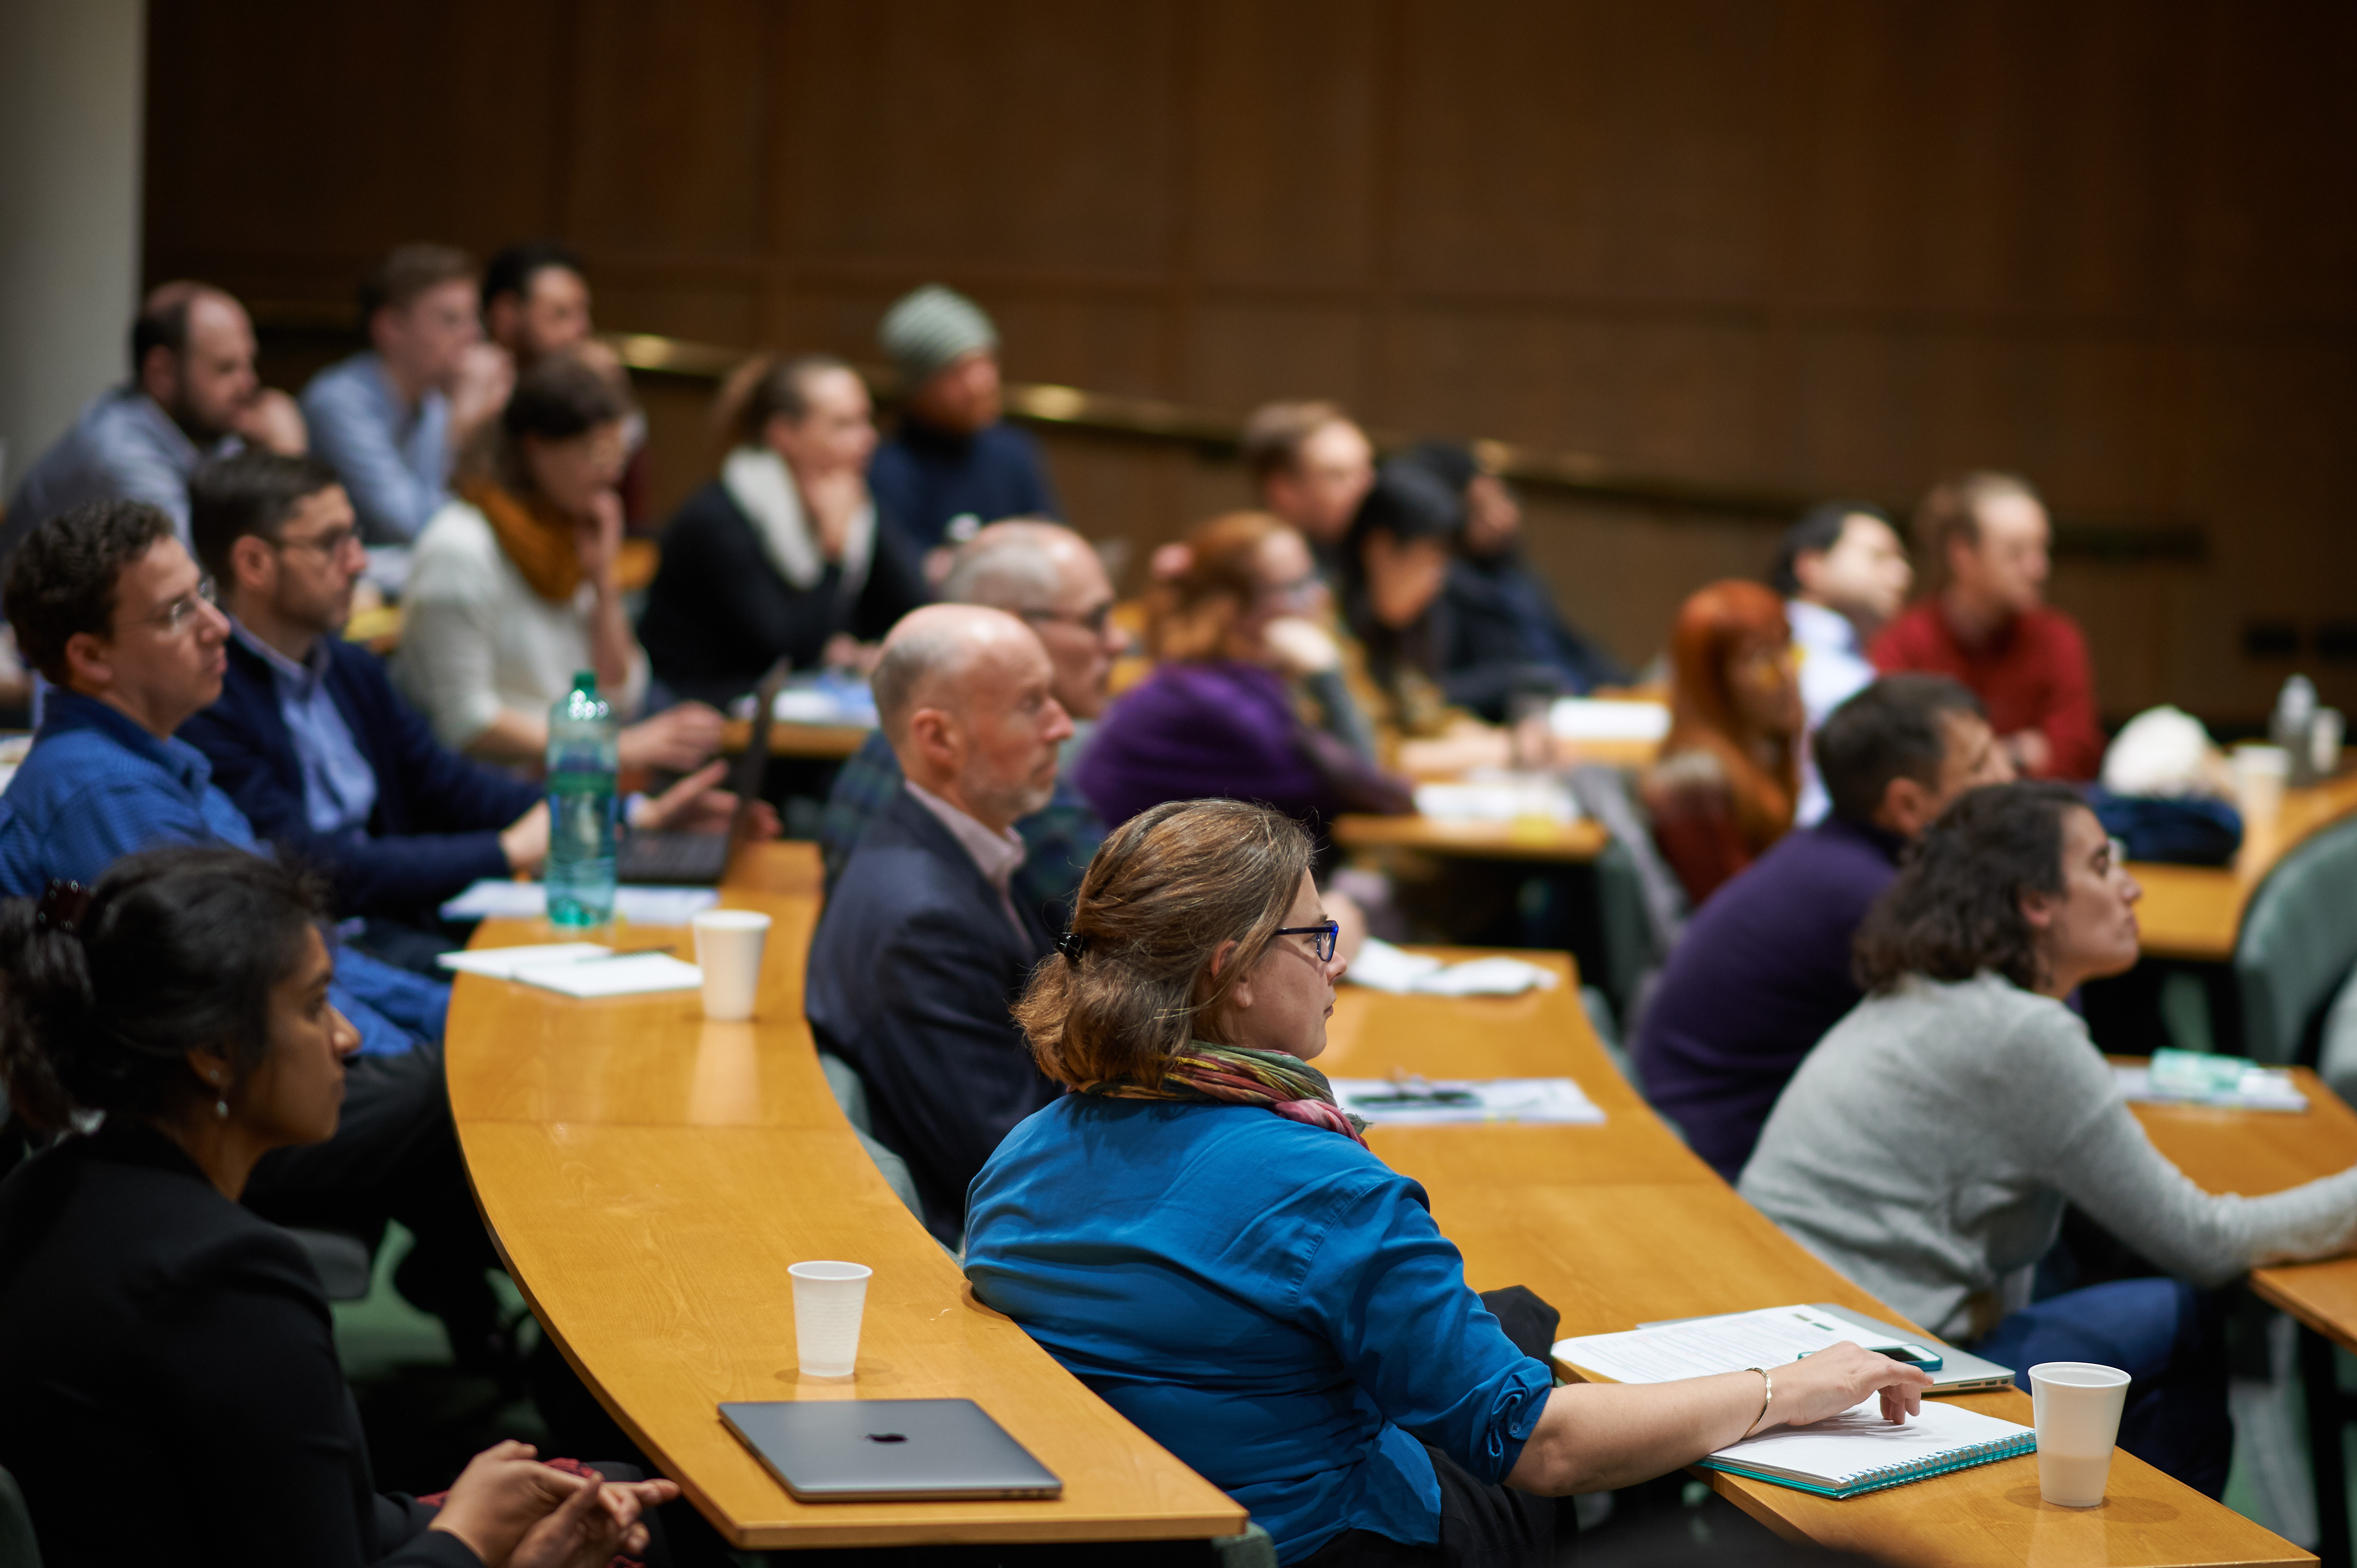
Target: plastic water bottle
(581, 762)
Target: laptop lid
(868, 1451)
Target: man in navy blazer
(308, 737)
(922, 950)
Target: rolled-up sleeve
(1388, 1291)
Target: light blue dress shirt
(339, 785)
(1267, 1300)
(125, 446)
(1833, 669)
(394, 459)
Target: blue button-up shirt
(1267, 1300)
(97, 787)
(394, 459)
(125, 446)
(339, 785)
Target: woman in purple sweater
(1240, 651)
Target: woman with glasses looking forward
(1200, 1234)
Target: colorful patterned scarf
(1234, 1075)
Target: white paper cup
(2076, 1406)
(2259, 775)
(729, 950)
(828, 1300)
(2325, 740)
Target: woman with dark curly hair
(1200, 1234)
(1926, 1147)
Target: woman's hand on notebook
(1831, 1381)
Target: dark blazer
(911, 974)
(718, 614)
(1496, 624)
(168, 1371)
(439, 814)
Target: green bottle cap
(586, 681)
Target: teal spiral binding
(1890, 1475)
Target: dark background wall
(1816, 245)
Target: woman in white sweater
(1928, 1145)
(511, 589)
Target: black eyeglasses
(1327, 935)
(331, 543)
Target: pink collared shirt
(995, 852)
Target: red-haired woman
(1724, 787)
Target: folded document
(1383, 967)
(1420, 1102)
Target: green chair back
(2298, 942)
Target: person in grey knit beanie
(930, 329)
(951, 463)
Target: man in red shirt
(1989, 626)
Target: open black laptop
(701, 859)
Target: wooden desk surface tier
(649, 1177)
(828, 742)
(1581, 840)
(1621, 1224)
(2196, 911)
(2259, 1151)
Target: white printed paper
(1436, 1102)
(1705, 1346)
(1380, 966)
(493, 899)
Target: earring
(221, 1105)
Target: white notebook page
(1841, 1449)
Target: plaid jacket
(1059, 838)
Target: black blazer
(436, 824)
(911, 972)
(169, 1391)
(718, 614)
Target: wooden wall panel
(1827, 246)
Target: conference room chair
(2297, 947)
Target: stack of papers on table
(825, 699)
(579, 969)
(2197, 1078)
(1509, 797)
(1382, 967)
(1770, 1336)
(1858, 1451)
(501, 963)
(497, 900)
(1592, 718)
(1420, 1102)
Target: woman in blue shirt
(1203, 1237)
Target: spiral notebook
(1857, 1450)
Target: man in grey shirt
(193, 395)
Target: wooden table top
(650, 1175)
(827, 742)
(1534, 840)
(2196, 911)
(2259, 1151)
(1620, 1224)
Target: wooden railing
(1216, 432)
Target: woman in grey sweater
(1926, 1147)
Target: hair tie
(62, 906)
(1071, 944)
